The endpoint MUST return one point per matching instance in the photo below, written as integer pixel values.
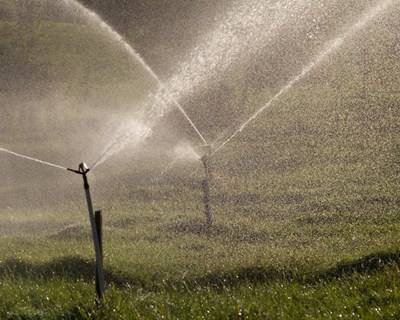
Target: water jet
(22, 156)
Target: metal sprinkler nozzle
(83, 169)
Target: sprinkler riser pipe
(206, 189)
(96, 240)
(95, 224)
(86, 185)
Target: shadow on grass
(367, 265)
(76, 268)
(71, 267)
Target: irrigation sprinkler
(94, 217)
(205, 159)
(95, 223)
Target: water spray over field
(32, 159)
(185, 151)
(129, 133)
(234, 40)
(242, 33)
(245, 29)
(329, 49)
(303, 205)
(165, 97)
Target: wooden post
(99, 227)
(99, 270)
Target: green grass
(367, 289)
(161, 263)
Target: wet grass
(365, 289)
(162, 263)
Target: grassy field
(161, 263)
(306, 205)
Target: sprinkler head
(82, 169)
(204, 151)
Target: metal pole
(206, 188)
(96, 240)
(100, 286)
